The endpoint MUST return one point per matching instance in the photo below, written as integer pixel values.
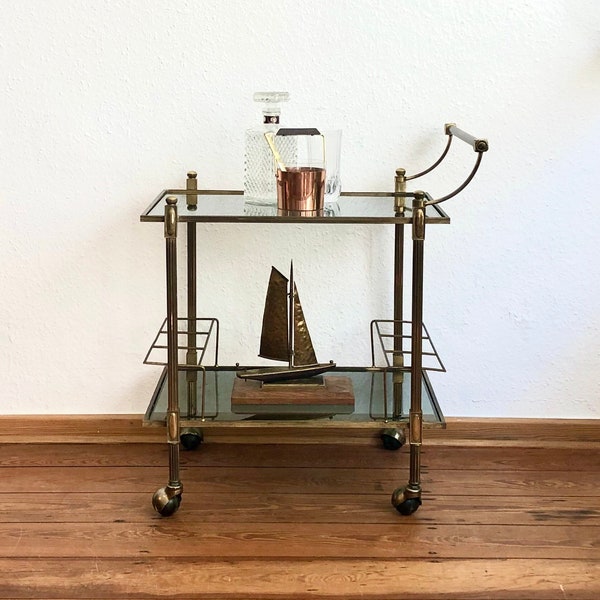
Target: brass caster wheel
(406, 502)
(165, 503)
(190, 438)
(393, 439)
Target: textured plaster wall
(104, 103)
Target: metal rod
(478, 144)
(436, 163)
(192, 353)
(460, 188)
(385, 396)
(174, 481)
(203, 397)
(216, 342)
(291, 356)
(398, 358)
(373, 324)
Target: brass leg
(192, 354)
(398, 361)
(408, 499)
(191, 357)
(394, 439)
(191, 437)
(166, 500)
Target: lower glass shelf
(380, 396)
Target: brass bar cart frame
(405, 499)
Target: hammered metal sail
(274, 337)
(304, 353)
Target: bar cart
(392, 395)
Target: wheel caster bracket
(166, 500)
(406, 501)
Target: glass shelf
(222, 206)
(374, 404)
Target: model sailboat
(285, 335)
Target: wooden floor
(267, 521)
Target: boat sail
(285, 336)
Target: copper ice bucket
(300, 190)
(300, 158)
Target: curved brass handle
(479, 145)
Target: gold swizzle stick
(276, 155)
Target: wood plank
(84, 429)
(270, 507)
(175, 537)
(299, 455)
(145, 578)
(208, 454)
(305, 480)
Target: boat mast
(291, 317)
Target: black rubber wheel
(392, 439)
(171, 507)
(409, 506)
(190, 440)
(406, 501)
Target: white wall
(105, 103)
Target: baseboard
(517, 432)
(459, 431)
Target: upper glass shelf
(224, 206)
